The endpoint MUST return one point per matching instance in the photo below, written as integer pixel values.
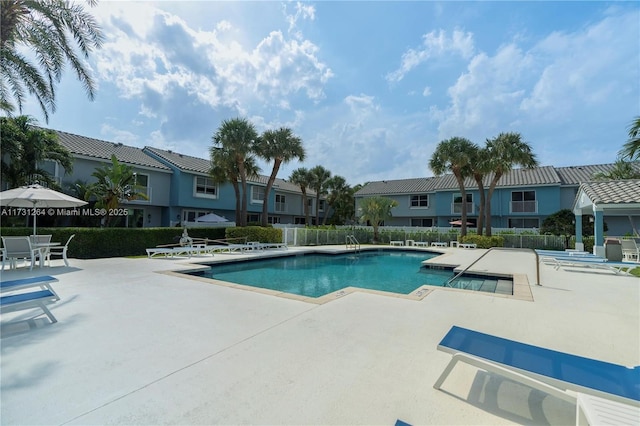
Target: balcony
(524, 207)
(456, 208)
(142, 190)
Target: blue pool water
(315, 275)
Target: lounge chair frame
(35, 299)
(563, 389)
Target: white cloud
(563, 75)
(426, 92)
(302, 11)
(434, 44)
(166, 56)
(120, 136)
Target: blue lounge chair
(44, 282)
(557, 373)
(35, 299)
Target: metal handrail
(499, 248)
(351, 240)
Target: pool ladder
(352, 242)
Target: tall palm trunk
(272, 178)
(243, 180)
(305, 205)
(463, 212)
(236, 189)
(487, 207)
(480, 225)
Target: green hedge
(95, 243)
(484, 242)
(255, 233)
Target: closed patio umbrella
(35, 197)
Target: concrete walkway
(134, 346)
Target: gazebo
(610, 198)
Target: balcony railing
(456, 208)
(143, 190)
(524, 206)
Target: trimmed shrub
(482, 241)
(95, 243)
(255, 233)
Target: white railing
(523, 207)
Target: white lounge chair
(559, 374)
(16, 248)
(630, 250)
(585, 262)
(60, 251)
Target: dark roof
(575, 175)
(182, 161)
(103, 150)
(517, 177)
(613, 191)
(402, 186)
(200, 165)
(545, 175)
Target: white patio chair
(60, 251)
(18, 248)
(630, 250)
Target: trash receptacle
(613, 249)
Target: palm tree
(339, 199)
(504, 152)
(225, 169)
(376, 210)
(620, 170)
(478, 168)
(454, 155)
(319, 178)
(281, 146)
(302, 177)
(115, 184)
(25, 147)
(238, 138)
(631, 149)
(55, 32)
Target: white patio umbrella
(36, 197)
(212, 218)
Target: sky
(370, 87)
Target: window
(299, 220)
(457, 203)
(257, 194)
(192, 215)
(141, 186)
(523, 202)
(422, 222)
(524, 223)
(253, 218)
(273, 219)
(420, 201)
(281, 205)
(322, 203)
(205, 187)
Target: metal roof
(575, 175)
(103, 150)
(200, 165)
(536, 176)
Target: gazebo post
(598, 231)
(579, 243)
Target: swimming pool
(315, 275)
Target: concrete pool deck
(134, 346)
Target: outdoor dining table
(44, 249)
